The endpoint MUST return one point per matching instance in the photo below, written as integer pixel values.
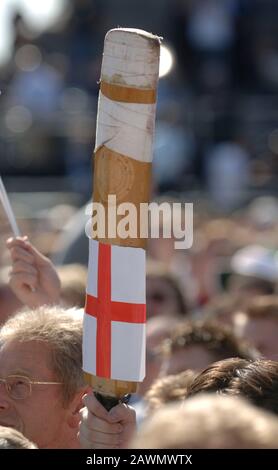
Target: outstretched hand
(33, 277)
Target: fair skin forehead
(41, 417)
(31, 359)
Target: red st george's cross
(106, 310)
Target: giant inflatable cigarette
(115, 311)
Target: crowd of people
(212, 310)
(191, 350)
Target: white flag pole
(8, 209)
(9, 213)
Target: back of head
(217, 376)
(168, 389)
(12, 439)
(256, 381)
(209, 422)
(61, 330)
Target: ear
(75, 406)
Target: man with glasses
(41, 380)
(42, 387)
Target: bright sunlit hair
(166, 61)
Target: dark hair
(255, 380)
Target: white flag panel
(128, 272)
(127, 349)
(89, 344)
(92, 268)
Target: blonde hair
(168, 389)
(12, 439)
(217, 338)
(209, 422)
(61, 330)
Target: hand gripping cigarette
(115, 311)
(8, 209)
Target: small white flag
(8, 209)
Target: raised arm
(33, 277)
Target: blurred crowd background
(216, 141)
(216, 146)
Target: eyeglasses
(19, 387)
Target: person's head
(256, 381)
(208, 422)
(168, 389)
(12, 439)
(163, 292)
(258, 323)
(196, 344)
(73, 279)
(41, 379)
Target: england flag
(115, 313)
